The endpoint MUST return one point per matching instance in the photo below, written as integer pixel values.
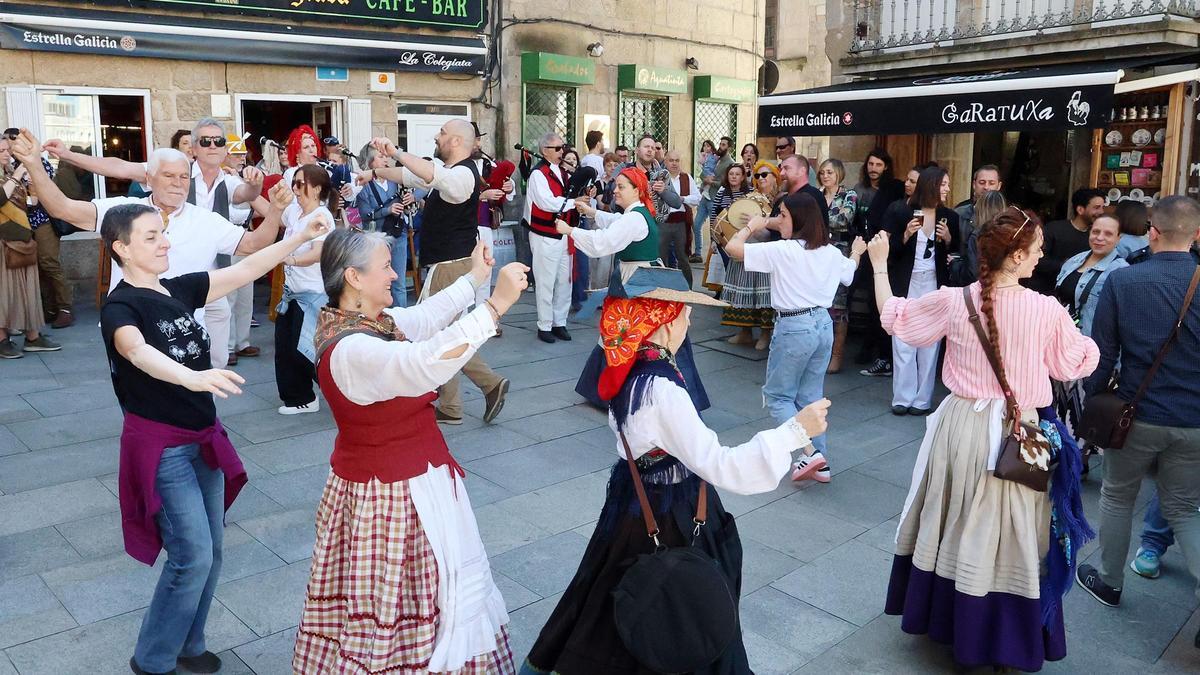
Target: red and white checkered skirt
(371, 604)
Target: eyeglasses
(209, 141)
(782, 147)
(764, 174)
(1022, 227)
(556, 148)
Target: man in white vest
(676, 231)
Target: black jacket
(903, 254)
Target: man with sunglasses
(551, 260)
(662, 193)
(198, 234)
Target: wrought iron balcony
(909, 24)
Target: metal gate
(548, 109)
(713, 120)
(643, 115)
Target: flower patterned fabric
(625, 324)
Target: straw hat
(662, 283)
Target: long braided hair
(1010, 231)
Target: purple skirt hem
(998, 629)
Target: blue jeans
(698, 223)
(800, 351)
(192, 526)
(400, 265)
(1156, 533)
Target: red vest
(390, 440)
(542, 222)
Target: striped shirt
(1038, 341)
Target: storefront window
(99, 125)
(713, 120)
(643, 115)
(548, 109)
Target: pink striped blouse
(1038, 341)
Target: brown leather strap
(1162, 352)
(647, 514)
(990, 352)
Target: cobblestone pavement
(816, 558)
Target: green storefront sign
(651, 79)
(725, 89)
(450, 14)
(545, 68)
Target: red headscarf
(625, 324)
(297, 137)
(642, 183)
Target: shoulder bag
(673, 607)
(1024, 453)
(18, 254)
(1107, 419)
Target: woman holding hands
(178, 470)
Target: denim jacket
(374, 210)
(311, 304)
(1103, 268)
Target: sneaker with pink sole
(809, 466)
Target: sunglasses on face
(556, 148)
(210, 141)
(782, 147)
(762, 175)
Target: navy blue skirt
(589, 379)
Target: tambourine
(739, 213)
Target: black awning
(1076, 97)
(115, 34)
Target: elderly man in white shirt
(197, 235)
(449, 231)
(544, 198)
(675, 231)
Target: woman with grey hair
(382, 204)
(400, 579)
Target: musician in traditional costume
(658, 428)
(633, 237)
(400, 580)
(749, 293)
(544, 199)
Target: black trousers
(294, 373)
(673, 235)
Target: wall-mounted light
(692, 63)
(595, 50)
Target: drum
(734, 218)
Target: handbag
(1025, 453)
(673, 608)
(18, 254)
(1106, 418)
(14, 222)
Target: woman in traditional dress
(633, 237)
(749, 293)
(178, 471)
(842, 204)
(733, 187)
(400, 581)
(971, 547)
(675, 454)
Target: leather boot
(839, 346)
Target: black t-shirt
(1065, 292)
(816, 194)
(168, 325)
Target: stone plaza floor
(817, 557)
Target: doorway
(273, 120)
(417, 124)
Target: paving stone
(30, 470)
(882, 648)
(268, 602)
(288, 534)
(294, 489)
(762, 565)
(1141, 627)
(545, 566)
(549, 371)
(244, 402)
(6, 666)
(16, 409)
(849, 582)
(740, 505)
(71, 399)
(799, 531)
(10, 444)
(243, 555)
(87, 425)
(1181, 655)
(53, 505)
(271, 655)
(29, 610)
(804, 629)
(894, 466)
(230, 664)
(482, 491)
(857, 498)
(251, 503)
(768, 657)
(502, 531)
(540, 465)
(537, 400)
(526, 623)
(882, 536)
(98, 589)
(105, 646)
(486, 442)
(562, 506)
(261, 426)
(515, 595)
(34, 551)
(289, 454)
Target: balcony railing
(888, 24)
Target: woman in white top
(303, 294)
(806, 268)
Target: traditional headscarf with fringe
(297, 137)
(625, 324)
(642, 183)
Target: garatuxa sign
(987, 102)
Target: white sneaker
(807, 466)
(313, 407)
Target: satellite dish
(768, 77)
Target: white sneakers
(301, 409)
(812, 467)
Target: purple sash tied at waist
(142, 445)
